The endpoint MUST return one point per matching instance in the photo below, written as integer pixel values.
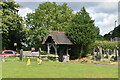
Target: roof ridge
(58, 31)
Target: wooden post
(67, 55)
(55, 47)
(39, 52)
(21, 54)
(48, 48)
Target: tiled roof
(58, 37)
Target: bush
(44, 53)
(107, 44)
(52, 58)
(12, 59)
(17, 59)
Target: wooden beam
(48, 48)
(55, 48)
(39, 52)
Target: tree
(116, 32)
(108, 36)
(82, 31)
(48, 16)
(12, 25)
(112, 34)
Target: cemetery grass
(50, 69)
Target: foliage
(12, 25)
(108, 36)
(116, 32)
(44, 53)
(35, 37)
(52, 58)
(113, 33)
(12, 59)
(107, 44)
(48, 16)
(17, 59)
(100, 37)
(82, 31)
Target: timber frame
(56, 39)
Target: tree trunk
(81, 51)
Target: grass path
(57, 70)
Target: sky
(104, 13)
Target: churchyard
(100, 64)
(87, 67)
(55, 42)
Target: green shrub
(107, 44)
(17, 59)
(12, 59)
(52, 58)
(31, 59)
(44, 53)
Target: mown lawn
(57, 70)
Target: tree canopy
(114, 33)
(12, 25)
(48, 16)
(82, 30)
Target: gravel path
(102, 64)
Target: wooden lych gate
(57, 40)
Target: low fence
(30, 54)
(65, 58)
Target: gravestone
(110, 52)
(66, 58)
(107, 54)
(100, 53)
(95, 56)
(117, 53)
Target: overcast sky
(104, 13)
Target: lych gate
(57, 40)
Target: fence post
(21, 54)
(39, 52)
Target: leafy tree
(116, 32)
(48, 16)
(82, 31)
(12, 25)
(112, 34)
(108, 36)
